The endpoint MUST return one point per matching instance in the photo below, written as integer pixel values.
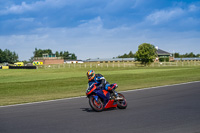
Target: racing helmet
(90, 75)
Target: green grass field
(23, 86)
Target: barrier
(5, 67)
(22, 67)
(35, 63)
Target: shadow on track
(91, 110)
(87, 110)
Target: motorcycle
(100, 99)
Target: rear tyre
(121, 104)
(96, 105)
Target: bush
(164, 59)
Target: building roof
(162, 52)
(110, 59)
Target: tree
(39, 52)
(63, 54)
(176, 55)
(66, 55)
(57, 54)
(146, 53)
(187, 55)
(130, 55)
(8, 56)
(191, 54)
(1, 56)
(73, 57)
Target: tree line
(187, 55)
(129, 55)
(8, 56)
(12, 57)
(146, 54)
(176, 55)
(64, 54)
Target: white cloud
(16, 9)
(91, 33)
(167, 15)
(193, 8)
(22, 20)
(164, 15)
(94, 6)
(90, 40)
(24, 7)
(93, 22)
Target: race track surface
(170, 109)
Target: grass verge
(23, 86)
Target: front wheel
(96, 105)
(121, 104)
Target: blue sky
(99, 28)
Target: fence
(119, 65)
(185, 63)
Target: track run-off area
(165, 109)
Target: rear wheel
(96, 105)
(121, 104)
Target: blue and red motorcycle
(100, 99)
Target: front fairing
(91, 89)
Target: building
(73, 61)
(111, 60)
(49, 59)
(163, 56)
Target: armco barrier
(22, 67)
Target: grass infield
(24, 86)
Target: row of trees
(129, 55)
(63, 54)
(176, 55)
(187, 55)
(11, 57)
(147, 53)
(8, 56)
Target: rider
(100, 80)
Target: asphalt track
(169, 109)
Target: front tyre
(96, 105)
(121, 104)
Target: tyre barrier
(22, 67)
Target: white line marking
(142, 89)
(42, 102)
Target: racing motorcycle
(100, 99)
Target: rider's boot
(116, 96)
(114, 93)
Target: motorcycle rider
(100, 82)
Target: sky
(99, 28)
